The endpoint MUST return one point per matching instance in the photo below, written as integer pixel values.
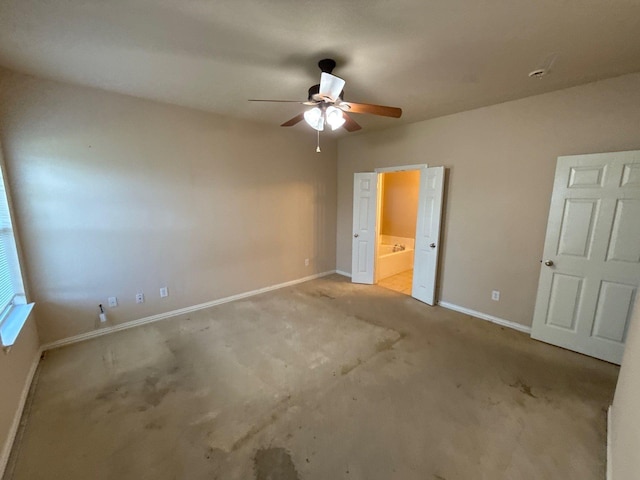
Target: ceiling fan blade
(311, 103)
(330, 86)
(293, 121)
(369, 108)
(279, 101)
(350, 125)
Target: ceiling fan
(328, 105)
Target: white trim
(173, 313)
(344, 274)
(15, 425)
(484, 316)
(609, 444)
(12, 323)
(401, 168)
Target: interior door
(591, 265)
(427, 245)
(365, 189)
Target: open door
(365, 193)
(590, 273)
(427, 245)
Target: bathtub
(392, 263)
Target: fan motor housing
(315, 89)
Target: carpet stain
(321, 294)
(524, 388)
(274, 464)
(153, 426)
(214, 454)
(152, 392)
(347, 368)
(138, 390)
(381, 346)
(111, 393)
(281, 407)
(387, 344)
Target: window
(13, 308)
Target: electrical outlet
(139, 297)
(164, 292)
(306, 262)
(495, 295)
(112, 301)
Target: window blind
(10, 278)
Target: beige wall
(501, 162)
(116, 195)
(400, 203)
(15, 368)
(625, 427)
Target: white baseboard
(173, 313)
(344, 274)
(15, 425)
(609, 444)
(484, 316)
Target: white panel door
(427, 245)
(365, 189)
(591, 265)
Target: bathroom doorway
(397, 215)
(367, 239)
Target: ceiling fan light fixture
(314, 118)
(329, 107)
(335, 118)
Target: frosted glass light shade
(335, 118)
(330, 86)
(314, 118)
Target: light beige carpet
(324, 380)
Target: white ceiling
(429, 57)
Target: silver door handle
(433, 245)
(549, 263)
(355, 235)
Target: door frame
(401, 168)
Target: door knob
(355, 235)
(549, 263)
(433, 245)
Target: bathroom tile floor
(401, 282)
